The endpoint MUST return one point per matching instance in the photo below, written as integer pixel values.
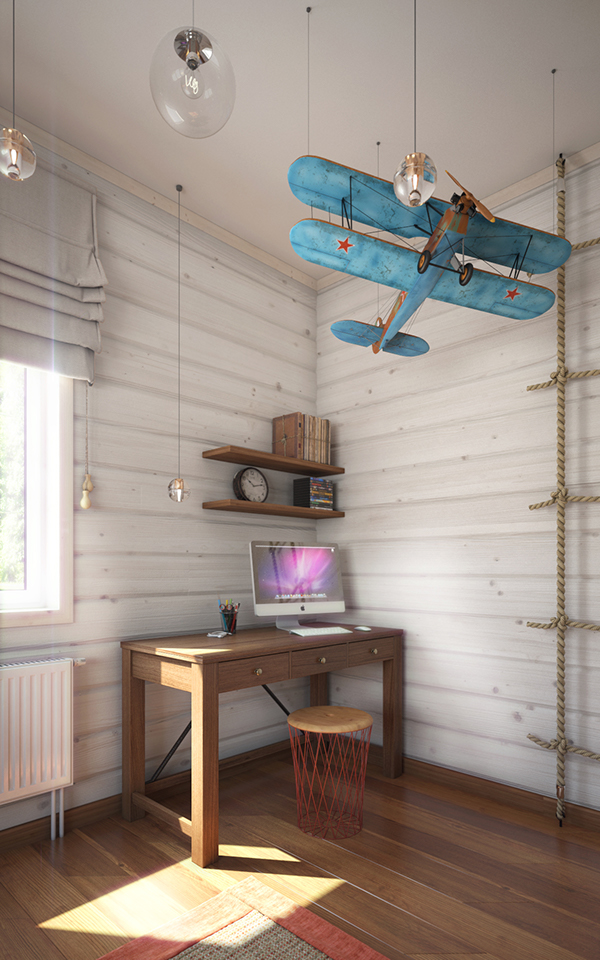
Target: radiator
(36, 732)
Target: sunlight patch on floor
(254, 853)
(128, 906)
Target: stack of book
(302, 436)
(313, 492)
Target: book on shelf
(303, 436)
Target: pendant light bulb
(415, 179)
(17, 159)
(178, 490)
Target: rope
(586, 243)
(563, 747)
(560, 497)
(565, 622)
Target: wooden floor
(435, 873)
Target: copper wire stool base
(330, 746)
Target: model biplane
(457, 233)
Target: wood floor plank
(439, 916)
(22, 939)
(436, 874)
(551, 924)
(73, 925)
(534, 829)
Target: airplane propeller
(478, 204)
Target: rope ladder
(560, 497)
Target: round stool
(330, 746)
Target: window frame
(64, 613)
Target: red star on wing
(344, 244)
(512, 294)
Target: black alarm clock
(250, 484)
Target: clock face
(250, 484)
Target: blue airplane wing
(351, 252)
(515, 246)
(352, 195)
(365, 334)
(373, 259)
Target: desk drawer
(319, 660)
(362, 651)
(239, 674)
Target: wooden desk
(206, 667)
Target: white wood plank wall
(443, 455)
(145, 566)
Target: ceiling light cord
(553, 150)
(308, 9)
(415, 73)
(179, 188)
(13, 63)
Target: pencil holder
(228, 613)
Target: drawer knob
(258, 671)
(373, 649)
(322, 660)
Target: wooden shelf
(273, 461)
(271, 509)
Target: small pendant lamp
(17, 159)
(416, 176)
(192, 82)
(177, 488)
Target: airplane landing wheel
(424, 261)
(466, 274)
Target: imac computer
(291, 579)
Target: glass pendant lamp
(416, 176)
(192, 82)
(17, 159)
(415, 179)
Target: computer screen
(290, 579)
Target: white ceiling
(484, 93)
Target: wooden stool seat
(330, 746)
(326, 719)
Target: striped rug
(248, 921)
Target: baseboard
(575, 815)
(78, 817)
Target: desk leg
(205, 764)
(134, 738)
(392, 712)
(318, 689)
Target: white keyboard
(318, 631)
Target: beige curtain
(51, 279)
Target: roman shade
(51, 278)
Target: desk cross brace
(182, 737)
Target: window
(36, 499)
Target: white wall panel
(444, 454)
(145, 566)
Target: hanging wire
(13, 64)
(193, 13)
(308, 9)
(378, 146)
(415, 73)
(179, 188)
(553, 150)
(86, 429)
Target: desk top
(199, 648)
